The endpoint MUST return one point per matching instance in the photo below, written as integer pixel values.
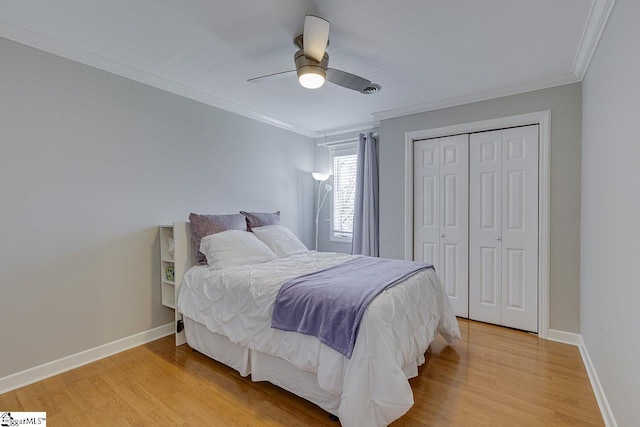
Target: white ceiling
(426, 54)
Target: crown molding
(480, 96)
(29, 38)
(598, 17)
(341, 130)
(596, 23)
(74, 53)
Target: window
(344, 163)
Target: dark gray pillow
(260, 219)
(204, 225)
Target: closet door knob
(442, 235)
(497, 238)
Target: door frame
(543, 120)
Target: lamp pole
(320, 177)
(318, 214)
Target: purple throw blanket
(330, 303)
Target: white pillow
(280, 240)
(234, 247)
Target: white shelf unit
(172, 269)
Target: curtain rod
(343, 141)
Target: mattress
(395, 332)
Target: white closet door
(503, 227)
(520, 228)
(441, 179)
(454, 222)
(426, 215)
(485, 227)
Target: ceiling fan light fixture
(312, 61)
(311, 77)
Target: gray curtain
(365, 219)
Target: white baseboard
(601, 398)
(564, 337)
(49, 369)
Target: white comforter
(395, 332)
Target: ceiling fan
(312, 61)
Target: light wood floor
(492, 376)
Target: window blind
(344, 182)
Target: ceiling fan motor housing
(305, 65)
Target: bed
(227, 316)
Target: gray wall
(565, 105)
(610, 283)
(90, 164)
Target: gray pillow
(260, 219)
(204, 225)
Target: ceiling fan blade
(315, 37)
(271, 76)
(348, 80)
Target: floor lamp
(321, 177)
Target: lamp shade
(319, 176)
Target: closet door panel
(489, 276)
(520, 228)
(514, 280)
(449, 274)
(426, 203)
(485, 226)
(454, 221)
(429, 253)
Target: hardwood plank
(492, 376)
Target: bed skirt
(261, 367)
